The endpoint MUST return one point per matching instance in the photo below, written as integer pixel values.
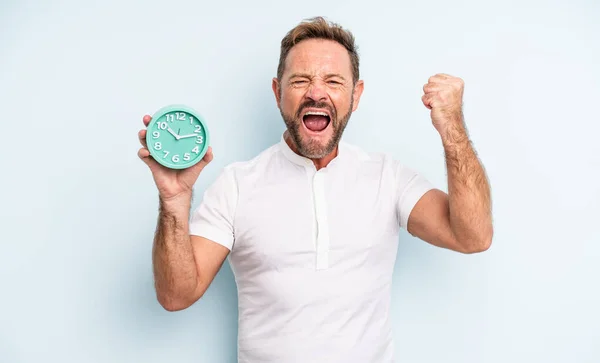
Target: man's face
(316, 95)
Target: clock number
(180, 116)
(191, 120)
(157, 145)
(175, 158)
(166, 153)
(155, 134)
(198, 128)
(186, 156)
(162, 125)
(196, 150)
(170, 117)
(199, 140)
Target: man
(310, 225)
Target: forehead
(319, 57)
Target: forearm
(468, 190)
(175, 272)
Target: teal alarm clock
(177, 137)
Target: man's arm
(184, 265)
(462, 219)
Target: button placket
(322, 247)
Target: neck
(319, 162)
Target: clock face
(176, 137)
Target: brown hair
(319, 28)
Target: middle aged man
(311, 224)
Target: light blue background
(79, 208)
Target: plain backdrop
(78, 208)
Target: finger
(208, 157)
(426, 98)
(440, 77)
(144, 154)
(146, 120)
(142, 138)
(432, 87)
(434, 79)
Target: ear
(276, 90)
(358, 90)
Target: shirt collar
(301, 160)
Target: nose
(316, 91)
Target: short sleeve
(213, 218)
(411, 186)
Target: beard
(310, 148)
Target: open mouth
(316, 121)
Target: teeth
(317, 113)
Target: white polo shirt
(312, 251)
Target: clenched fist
(443, 96)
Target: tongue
(316, 123)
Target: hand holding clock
(172, 184)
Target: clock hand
(177, 137)
(189, 135)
